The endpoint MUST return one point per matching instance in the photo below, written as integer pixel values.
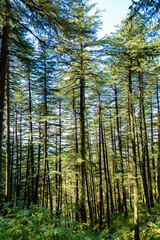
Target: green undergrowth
(123, 227)
(37, 223)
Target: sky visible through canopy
(115, 11)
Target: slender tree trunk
(153, 159)
(3, 72)
(106, 175)
(31, 137)
(17, 160)
(128, 169)
(117, 198)
(146, 148)
(46, 189)
(56, 177)
(76, 150)
(124, 203)
(100, 168)
(142, 155)
(158, 155)
(138, 151)
(94, 208)
(12, 160)
(136, 218)
(38, 166)
(113, 167)
(8, 160)
(49, 190)
(59, 198)
(88, 198)
(45, 134)
(27, 197)
(94, 197)
(20, 150)
(82, 209)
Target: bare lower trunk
(136, 218)
(3, 72)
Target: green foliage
(122, 227)
(32, 223)
(37, 223)
(150, 226)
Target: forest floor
(122, 228)
(37, 223)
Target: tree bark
(3, 72)
(8, 160)
(38, 166)
(94, 208)
(142, 155)
(100, 168)
(106, 175)
(18, 179)
(59, 189)
(146, 149)
(82, 209)
(31, 137)
(136, 218)
(117, 198)
(158, 155)
(76, 150)
(45, 133)
(124, 203)
(153, 158)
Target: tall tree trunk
(45, 133)
(146, 148)
(88, 198)
(49, 190)
(82, 209)
(124, 203)
(27, 197)
(20, 150)
(11, 170)
(106, 175)
(142, 153)
(31, 137)
(38, 166)
(136, 218)
(17, 159)
(56, 168)
(76, 150)
(59, 197)
(152, 150)
(46, 189)
(3, 71)
(94, 208)
(8, 160)
(117, 198)
(158, 155)
(128, 170)
(138, 151)
(100, 168)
